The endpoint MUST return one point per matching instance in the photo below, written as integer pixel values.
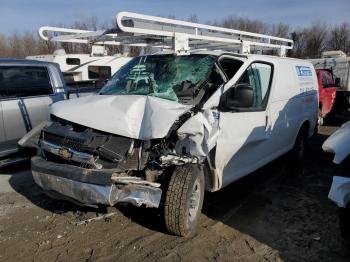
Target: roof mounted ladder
(134, 29)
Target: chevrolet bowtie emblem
(63, 152)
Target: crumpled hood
(139, 117)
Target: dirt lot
(280, 212)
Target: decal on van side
(304, 71)
(304, 74)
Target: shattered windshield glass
(164, 76)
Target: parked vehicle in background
(27, 89)
(327, 93)
(339, 63)
(339, 145)
(174, 124)
(82, 70)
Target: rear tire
(184, 200)
(299, 150)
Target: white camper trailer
(82, 69)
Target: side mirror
(237, 97)
(337, 82)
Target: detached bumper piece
(90, 187)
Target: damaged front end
(91, 167)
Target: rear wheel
(299, 150)
(184, 200)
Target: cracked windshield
(166, 76)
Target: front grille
(111, 151)
(57, 159)
(73, 143)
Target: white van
(167, 127)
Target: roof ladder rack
(133, 29)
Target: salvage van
(168, 126)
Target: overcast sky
(22, 15)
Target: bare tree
(340, 38)
(4, 48)
(29, 44)
(316, 39)
(299, 40)
(193, 18)
(280, 30)
(15, 44)
(244, 24)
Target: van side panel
(294, 101)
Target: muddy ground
(279, 213)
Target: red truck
(327, 92)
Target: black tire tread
(175, 207)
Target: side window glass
(73, 61)
(23, 81)
(327, 80)
(324, 80)
(99, 72)
(258, 76)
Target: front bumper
(90, 187)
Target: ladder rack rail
(134, 29)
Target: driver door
(244, 143)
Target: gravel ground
(279, 213)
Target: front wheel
(184, 200)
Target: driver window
(258, 76)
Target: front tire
(184, 200)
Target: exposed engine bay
(69, 143)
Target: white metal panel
(140, 117)
(339, 143)
(28, 112)
(248, 140)
(340, 191)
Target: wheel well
(305, 125)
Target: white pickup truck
(167, 127)
(27, 89)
